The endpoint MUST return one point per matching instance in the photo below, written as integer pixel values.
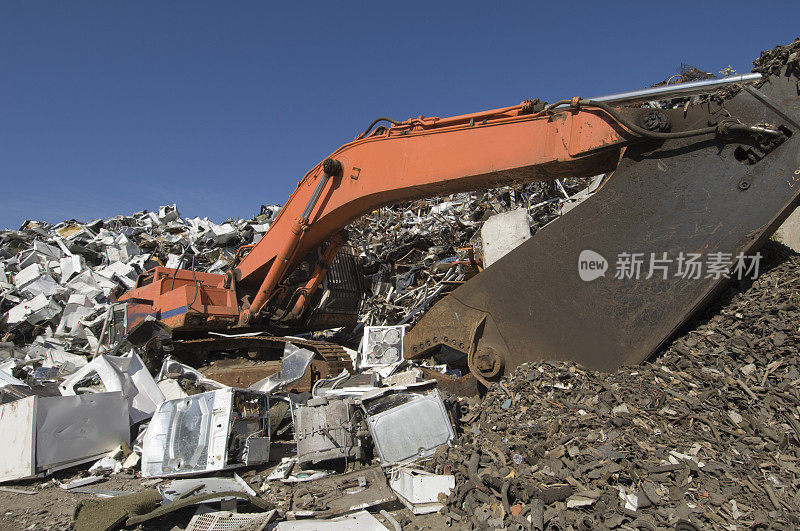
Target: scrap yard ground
(719, 406)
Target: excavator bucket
(606, 285)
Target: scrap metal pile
(416, 252)
(57, 281)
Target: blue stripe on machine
(173, 313)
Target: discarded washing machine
(216, 430)
(329, 430)
(406, 425)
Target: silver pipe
(666, 92)
(315, 196)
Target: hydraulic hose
(723, 128)
(374, 122)
(632, 127)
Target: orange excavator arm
(426, 157)
(417, 158)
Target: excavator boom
(710, 177)
(423, 157)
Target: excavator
(715, 175)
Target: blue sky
(112, 107)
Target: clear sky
(110, 107)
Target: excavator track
(218, 358)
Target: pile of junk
(399, 351)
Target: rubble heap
(704, 435)
(709, 432)
(57, 281)
(773, 60)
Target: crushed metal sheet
(342, 493)
(48, 433)
(79, 428)
(503, 233)
(294, 364)
(181, 488)
(82, 482)
(121, 373)
(16, 490)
